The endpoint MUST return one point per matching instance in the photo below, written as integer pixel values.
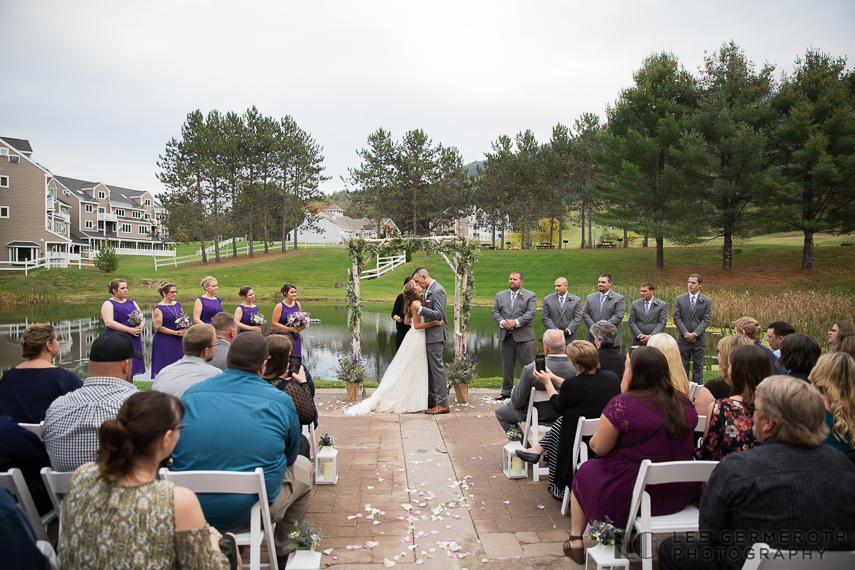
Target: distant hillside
(471, 167)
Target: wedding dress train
(404, 387)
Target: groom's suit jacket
(434, 298)
(613, 311)
(697, 321)
(570, 318)
(652, 323)
(524, 310)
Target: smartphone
(294, 364)
(540, 362)
(631, 348)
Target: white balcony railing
(105, 217)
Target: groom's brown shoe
(438, 410)
(431, 405)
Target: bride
(404, 387)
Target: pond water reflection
(79, 324)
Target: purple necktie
(646, 308)
(561, 302)
(693, 303)
(602, 300)
(513, 300)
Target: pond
(79, 324)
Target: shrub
(107, 260)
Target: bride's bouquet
(298, 319)
(136, 318)
(182, 322)
(257, 320)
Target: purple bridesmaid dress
(210, 308)
(283, 319)
(166, 348)
(120, 315)
(247, 313)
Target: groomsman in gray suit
(605, 305)
(433, 309)
(647, 316)
(514, 311)
(692, 316)
(562, 311)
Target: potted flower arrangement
(459, 373)
(514, 434)
(304, 539)
(351, 371)
(606, 535)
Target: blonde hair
(583, 355)
(749, 326)
(796, 408)
(725, 345)
(834, 377)
(666, 343)
(207, 281)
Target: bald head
(553, 341)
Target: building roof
(125, 196)
(79, 240)
(21, 145)
(22, 244)
(351, 224)
(76, 188)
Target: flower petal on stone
(388, 563)
(328, 551)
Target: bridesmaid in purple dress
(208, 305)
(281, 312)
(246, 310)
(115, 312)
(650, 420)
(166, 345)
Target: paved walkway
(419, 490)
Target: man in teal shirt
(237, 421)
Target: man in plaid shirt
(71, 423)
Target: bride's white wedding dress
(404, 387)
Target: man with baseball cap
(71, 423)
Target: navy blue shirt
(26, 394)
(772, 358)
(21, 448)
(18, 539)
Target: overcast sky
(99, 87)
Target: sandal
(577, 555)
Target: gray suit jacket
(433, 309)
(554, 318)
(613, 311)
(652, 323)
(220, 353)
(697, 321)
(561, 366)
(523, 311)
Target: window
(137, 215)
(90, 208)
(126, 228)
(101, 210)
(90, 225)
(4, 211)
(147, 217)
(102, 195)
(143, 231)
(4, 181)
(147, 202)
(120, 213)
(4, 152)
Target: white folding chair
(764, 557)
(309, 432)
(584, 428)
(14, 481)
(702, 424)
(694, 388)
(236, 483)
(643, 522)
(56, 483)
(533, 429)
(35, 428)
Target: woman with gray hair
(605, 336)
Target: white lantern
(512, 466)
(304, 560)
(326, 466)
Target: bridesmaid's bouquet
(257, 320)
(136, 318)
(182, 322)
(298, 319)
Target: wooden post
(356, 328)
(464, 330)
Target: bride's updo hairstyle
(114, 286)
(131, 437)
(410, 295)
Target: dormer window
(120, 213)
(4, 152)
(102, 195)
(147, 202)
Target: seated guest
(581, 396)
(775, 333)
(294, 385)
(605, 336)
(729, 420)
(237, 421)
(840, 331)
(799, 354)
(199, 344)
(71, 424)
(761, 494)
(18, 542)
(23, 449)
(848, 346)
(511, 413)
(309, 382)
(834, 378)
(226, 329)
(719, 387)
(27, 390)
(117, 514)
(650, 420)
(666, 343)
(750, 327)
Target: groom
(433, 309)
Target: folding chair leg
(565, 505)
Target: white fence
(384, 265)
(54, 260)
(131, 251)
(241, 250)
(222, 244)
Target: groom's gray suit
(518, 342)
(433, 309)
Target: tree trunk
(201, 241)
(266, 239)
(504, 232)
(807, 255)
(251, 237)
(583, 224)
(590, 228)
(644, 243)
(551, 222)
(560, 231)
(494, 234)
(727, 251)
(625, 238)
(296, 218)
(660, 252)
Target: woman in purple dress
(285, 308)
(166, 345)
(246, 310)
(115, 312)
(650, 420)
(208, 305)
